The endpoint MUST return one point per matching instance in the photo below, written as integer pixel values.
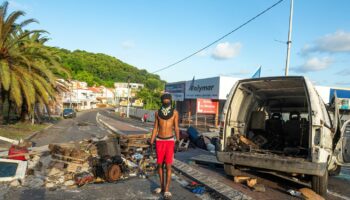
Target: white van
(280, 125)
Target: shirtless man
(166, 120)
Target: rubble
(15, 183)
(96, 160)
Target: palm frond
(3, 12)
(40, 89)
(9, 23)
(26, 22)
(15, 91)
(5, 74)
(27, 87)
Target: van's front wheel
(319, 184)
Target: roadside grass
(20, 129)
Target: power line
(222, 37)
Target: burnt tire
(319, 184)
(113, 173)
(335, 172)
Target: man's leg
(168, 177)
(161, 176)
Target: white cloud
(314, 64)
(226, 50)
(128, 44)
(338, 41)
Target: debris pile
(74, 164)
(240, 143)
(208, 141)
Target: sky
(156, 33)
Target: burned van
(280, 125)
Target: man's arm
(176, 126)
(155, 128)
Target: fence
(138, 113)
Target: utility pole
(289, 42)
(70, 95)
(127, 103)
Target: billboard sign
(203, 88)
(177, 90)
(207, 106)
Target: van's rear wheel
(319, 184)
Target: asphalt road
(82, 127)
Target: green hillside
(102, 69)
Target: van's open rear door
(342, 149)
(343, 145)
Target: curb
(29, 137)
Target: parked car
(281, 126)
(69, 113)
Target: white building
(121, 89)
(79, 97)
(122, 93)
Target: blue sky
(154, 34)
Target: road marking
(338, 195)
(108, 126)
(139, 127)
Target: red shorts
(165, 151)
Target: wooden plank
(71, 158)
(66, 162)
(138, 145)
(240, 179)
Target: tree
(26, 67)
(151, 99)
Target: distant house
(80, 97)
(122, 92)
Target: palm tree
(26, 77)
